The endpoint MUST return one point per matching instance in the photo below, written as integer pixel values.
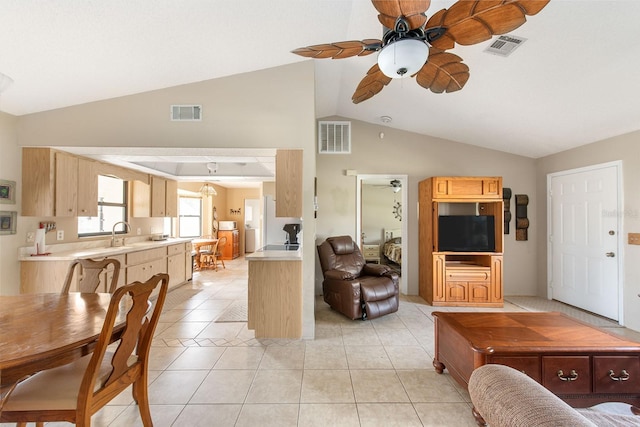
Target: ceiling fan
(414, 46)
(395, 185)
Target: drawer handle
(624, 375)
(573, 375)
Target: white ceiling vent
(188, 113)
(505, 45)
(334, 137)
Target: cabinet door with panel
(87, 187)
(38, 175)
(66, 184)
(467, 187)
(176, 269)
(158, 197)
(289, 183)
(171, 198)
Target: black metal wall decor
(522, 222)
(506, 198)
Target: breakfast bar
(275, 292)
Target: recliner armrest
(338, 275)
(374, 270)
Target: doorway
(380, 200)
(584, 244)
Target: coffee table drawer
(529, 365)
(566, 374)
(616, 374)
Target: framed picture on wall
(7, 192)
(8, 221)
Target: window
(190, 216)
(112, 208)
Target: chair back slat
(90, 275)
(135, 339)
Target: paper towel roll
(39, 241)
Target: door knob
(610, 254)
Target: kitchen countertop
(265, 254)
(71, 251)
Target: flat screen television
(466, 233)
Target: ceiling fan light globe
(403, 58)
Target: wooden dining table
(197, 244)
(42, 331)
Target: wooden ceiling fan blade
(471, 22)
(340, 50)
(370, 85)
(412, 10)
(443, 72)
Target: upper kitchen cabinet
(87, 187)
(289, 183)
(56, 183)
(158, 199)
(164, 197)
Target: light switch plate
(634, 238)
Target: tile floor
(372, 373)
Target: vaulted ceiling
(574, 81)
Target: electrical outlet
(31, 237)
(634, 238)
(139, 231)
(60, 235)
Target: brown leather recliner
(351, 286)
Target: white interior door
(584, 238)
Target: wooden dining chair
(89, 278)
(76, 391)
(218, 254)
(205, 255)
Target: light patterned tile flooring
(354, 373)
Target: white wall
(10, 170)
(624, 148)
(421, 157)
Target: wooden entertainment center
(460, 278)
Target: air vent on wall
(334, 137)
(505, 45)
(187, 113)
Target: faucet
(113, 231)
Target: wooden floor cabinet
(231, 249)
(460, 276)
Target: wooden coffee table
(580, 363)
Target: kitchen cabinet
(87, 187)
(50, 183)
(58, 184)
(143, 264)
(460, 278)
(176, 267)
(171, 198)
(158, 196)
(289, 183)
(48, 275)
(66, 185)
(275, 298)
(157, 199)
